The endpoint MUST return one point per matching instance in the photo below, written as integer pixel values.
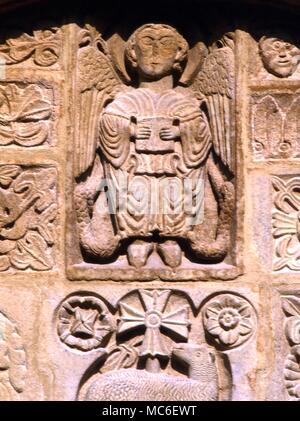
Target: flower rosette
(229, 320)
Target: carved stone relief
(12, 360)
(83, 323)
(291, 308)
(275, 126)
(145, 347)
(42, 48)
(229, 320)
(28, 211)
(155, 155)
(150, 155)
(279, 57)
(285, 223)
(26, 113)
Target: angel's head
(156, 50)
(279, 57)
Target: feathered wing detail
(96, 82)
(215, 86)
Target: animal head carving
(193, 354)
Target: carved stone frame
(77, 269)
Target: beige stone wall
(91, 310)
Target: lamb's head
(194, 355)
(202, 369)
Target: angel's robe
(159, 184)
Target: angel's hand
(170, 133)
(140, 132)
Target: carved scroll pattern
(291, 308)
(285, 215)
(275, 126)
(12, 360)
(25, 114)
(27, 217)
(43, 47)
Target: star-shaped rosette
(154, 319)
(84, 322)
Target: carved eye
(277, 45)
(166, 41)
(147, 41)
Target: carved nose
(282, 53)
(155, 48)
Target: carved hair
(183, 46)
(283, 38)
(262, 41)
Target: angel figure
(168, 137)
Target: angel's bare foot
(170, 253)
(138, 253)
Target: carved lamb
(135, 385)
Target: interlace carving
(286, 223)
(28, 211)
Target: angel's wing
(96, 83)
(214, 85)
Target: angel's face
(156, 52)
(279, 57)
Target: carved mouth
(283, 62)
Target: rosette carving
(229, 320)
(84, 322)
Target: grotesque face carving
(156, 50)
(279, 57)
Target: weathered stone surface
(149, 201)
